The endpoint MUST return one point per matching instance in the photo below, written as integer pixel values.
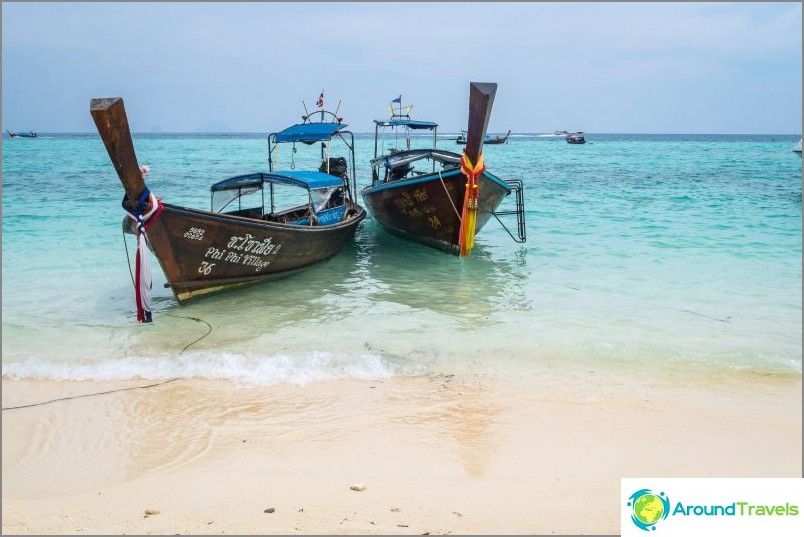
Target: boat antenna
(337, 108)
(306, 113)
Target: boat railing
(519, 211)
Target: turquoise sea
(679, 252)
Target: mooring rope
(454, 208)
(209, 331)
(726, 319)
(196, 319)
(89, 395)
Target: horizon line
(5, 131)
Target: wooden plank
(110, 118)
(481, 99)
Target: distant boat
(432, 205)
(575, 138)
(797, 148)
(249, 234)
(29, 134)
(489, 140)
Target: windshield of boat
(326, 198)
(400, 165)
(255, 196)
(405, 158)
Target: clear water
(677, 251)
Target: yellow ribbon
(466, 234)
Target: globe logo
(648, 508)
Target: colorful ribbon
(466, 235)
(142, 278)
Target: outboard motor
(337, 167)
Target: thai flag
(398, 99)
(320, 102)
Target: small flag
(398, 99)
(320, 102)
(408, 109)
(391, 110)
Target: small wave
(257, 370)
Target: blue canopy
(309, 132)
(303, 179)
(406, 123)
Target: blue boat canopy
(309, 132)
(429, 125)
(304, 179)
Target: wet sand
(437, 454)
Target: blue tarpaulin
(406, 123)
(309, 132)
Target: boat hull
(491, 141)
(426, 210)
(203, 252)
(496, 141)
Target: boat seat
(330, 216)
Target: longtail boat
(489, 140)
(28, 134)
(453, 197)
(245, 237)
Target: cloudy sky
(245, 67)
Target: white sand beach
(436, 454)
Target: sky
(247, 67)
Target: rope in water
(209, 331)
(726, 319)
(88, 395)
(458, 214)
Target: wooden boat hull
(425, 210)
(203, 252)
(22, 134)
(495, 141)
(491, 141)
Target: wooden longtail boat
(432, 206)
(29, 134)
(239, 241)
(489, 140)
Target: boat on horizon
(575, 138)
(554, 134)
(797, 148)
(489, 139)
(451, 197)
(240, 240)
(28, 134)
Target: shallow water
(669, 250)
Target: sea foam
(250, 369)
